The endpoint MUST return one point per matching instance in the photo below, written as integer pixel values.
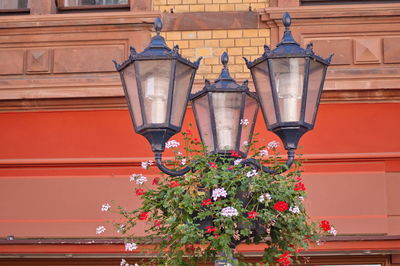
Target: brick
(204, 52)
(196, 8)
(235, 68)
(182, 44)
(217, 69)
(227, 7)
(174, 35)
(182, 8)
(189, 1)
(212, 61)
(235, 51)
(212, 8)
(196, 43)
(211, 43)
(159, 2)
(250, 33)
(234, 1)
(242, 42)
(242, 7)
(218, 51)
(219, 34)
(164, 8)
(227, 43)
(206, 34)
(204, 1)
(204, 69)
(263, 33)
(251, 50)
(188, 53)
(259, 7)
(189, 35)
(239, 60)
(235, 34)
(257, 41)
(242, 76)
(219, 1)
(211, 76)
(174, 2)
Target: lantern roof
(224, 83)
(288, 48)
(157, 50)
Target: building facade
(67, 144)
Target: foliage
(205, 214)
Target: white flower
(237, 161)
(229, 211)
(100, 229)
(183, 161)
(150, 162)
(171, 144)
(105, 207)
(123, 263)
(244, 122)
(264, 152)
(245, 143)
(294, 209)
(133, 177)
(332, 231)
(218, 192)
(251, 173)
(120, 228)
(130, 246)
(273, 145)
(301, 198)
(145, 165)
(264, 196)
(141, 180)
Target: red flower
(299, 186)
(158, 222)
(207, 202)
(196, 141)
(230, 168)
(139, 192)
(213, 165)
(173, 184)
(251, 215)
(211, 229)
(156, 180)
(143, 216)
(283, 259)
(188, 132)
(216, 236)
(235, 154)
(325, 225)
(281, 206)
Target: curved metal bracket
(164, 169)
(256, 164)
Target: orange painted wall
(58, 167)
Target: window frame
(61, 6)
(17, 10)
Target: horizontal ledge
(136, 161)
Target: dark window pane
(342, 2)
(68, 3)
(13, 4)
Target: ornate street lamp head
(225, 114)
(289, 82)
(157, 84)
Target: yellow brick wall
(210, 44)
(208, 5)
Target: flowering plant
(206, 213)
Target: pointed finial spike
(329, 59)
(224, 59)
(158, 25)
(116, 65)
(287, 20)
(247, 61)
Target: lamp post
(288, 82)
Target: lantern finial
(158, 25)
(224, 59)
(287, 20)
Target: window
(90, 4)
(338, 2)
(14, 6)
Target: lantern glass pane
(262, 83)
(131, 92)
(201, 109)
(315, 80)
(182, 87)
(227, 115)
(155, 78)
(288, 74)
(247, 122)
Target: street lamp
(288, 82)
(225, 114)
